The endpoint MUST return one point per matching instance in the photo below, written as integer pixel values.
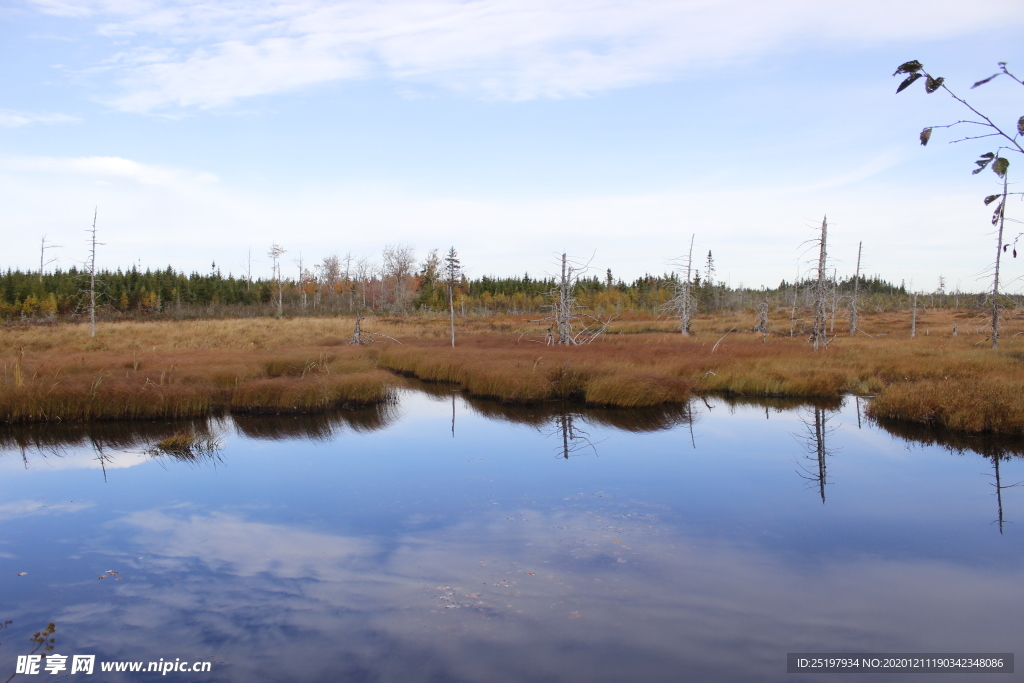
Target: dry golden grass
(186, 369)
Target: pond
(444, 538)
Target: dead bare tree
(913, 315)
(349, 284)
(92, 273)
(362, 337)
(999, 217)
(761, 327)
(856, 287)
(818, 335)
(275, 253)
(248, 269)
(565, 311)
(452, 276)
(565, 303)
(303, 278)
(681, 305)
(42, 256)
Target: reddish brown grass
(165, 369)
(48, 386)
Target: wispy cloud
(107, 167)
(16, 119)
(27, 508)
(211, 54)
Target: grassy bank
(176, 370)
(170, 370)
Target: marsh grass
(147, 370)
(74, 383)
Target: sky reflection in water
(379, 546)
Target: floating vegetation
(187, 446)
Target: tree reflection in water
(992, 447)
(813, 465)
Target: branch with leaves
(996, 160)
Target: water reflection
(106, 438)
(994, 448)
(814, 441)
(541, 415)
(318, 427)
(988, 445)
(571, 437)
(419, 557)
(56, 439)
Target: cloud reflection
(594, 588)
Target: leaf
(1014, 253)
(991, 198)
(906, 83)
(926, 134)
(933, 84)
(997, 214)
(913, 66)
(984, 81)
(1000, 166)
(1020, 125)
(982, 162)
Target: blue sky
(511, 129)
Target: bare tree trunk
(92, 275)
(856, 287)
(451, 312)
(275, 254)
(42, 257)
(995, 279)
(819, 432)
(357, 337)
(913, 317)
(792, 312)
(453, 273)
(833, 302)
(762, 319)
(818, 335)
(683, 301)
(564, 305)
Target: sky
(513, 130)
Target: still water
(449, 539)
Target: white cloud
(16, 119)
(444, 600)
(184, 217)
(212, 54)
